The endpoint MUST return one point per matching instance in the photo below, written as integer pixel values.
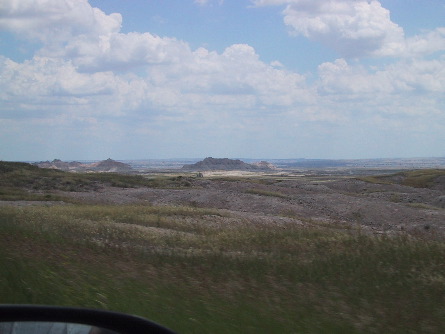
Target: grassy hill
(200, 270)
(23, 181)
(423, 178)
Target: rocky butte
(227, 164)
(108, 165)
(111, 165)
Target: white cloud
(174, 78)
(88, 73)
(260, 3)
(45, 87)
(201, 2)
(404, 77)
(206, 2)
(119, 51)
(353, 28)
(91, 39)
(56, 20)
(187, 83)
(426, 43)
(397, 99)
(236, 76)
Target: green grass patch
(197, 270)
(379, 179)
(16, 194)
(423, 206)
(423, 178)
(263, 192)
(169, 182)
(22, 181)
(251, 178)
(30, 177)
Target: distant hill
(265, 165)
(59, 164)
(25, 181)
(108, 165)
(227, 164)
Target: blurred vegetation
(201, 270)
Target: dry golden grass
(201, 270)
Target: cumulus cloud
(91, 39)
(171, 75)
(87, 69)
(403, 95)
(354, 28)
(55, 86)
(41, 77)
(121, 51)
(235, 81)
(89, 48)
(404, 77)
(56, 20)
(426, 43)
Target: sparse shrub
(395, 198)
(262, 192)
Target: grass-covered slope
(200, 271)
(423, 178)
(23, 181)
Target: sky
(277, 79)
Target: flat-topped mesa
(225, 164)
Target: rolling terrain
(251, 252)
(381, 204)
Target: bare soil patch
(335, 201)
